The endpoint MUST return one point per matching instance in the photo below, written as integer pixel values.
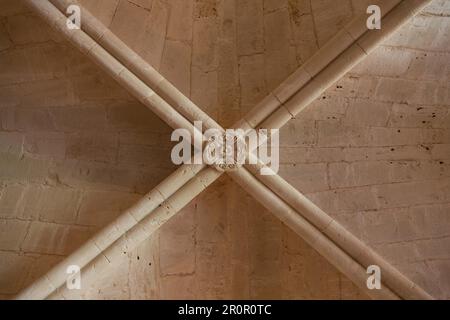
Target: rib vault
(343, 52)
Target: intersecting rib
(332, 71)
(125, 231)
(138, 66)
(110, 235)
(404, 287)
(345, 262)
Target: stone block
(177, 246)
(97, 208)
(179, 287)
(5, 41)
(250, 26)
(180, 21)
(423, 34)
(411, 193)
(330, 17)
(10, 8)
(58, 205)
(205, 44)
(127, 23)
(11, 142)
(306, 177)
(79, 118)
(49, 238)
(407, 116)
(50, 145)
(364, 113)
(386, 153)
(25, 29)
(380, 136)
(12, 233)
(10, 197)
(410, 91)
(100, 147)
(156, 33)
(135, 118)
(251, 75)
(176, 65)
(355, 199)
(329, 106)
(32, 119)
(149, 156)
(386, 62)
(23, 169)
(441, 151)
(335, 134)
(97, 87)
(280, 56)
(14, 67)
(14, 268)
(204, 91)
(298, 133)
(39, 94)
(103, 10)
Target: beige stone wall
(372, 152)
(227, 55)
(75, 148)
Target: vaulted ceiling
(371, 150)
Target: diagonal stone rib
(52, 285)
(111, 66)
(118, 233)
(249, 183)
(334, 231)
(311, 235)
(138, 66)
(337, 68)
(346, 37)
(131, 219)
(294, 104)
(400, 284)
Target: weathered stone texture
(383, 147)
(76, 149)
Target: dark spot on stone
(138, 257)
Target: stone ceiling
(76, 149)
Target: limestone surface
(76, 149)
